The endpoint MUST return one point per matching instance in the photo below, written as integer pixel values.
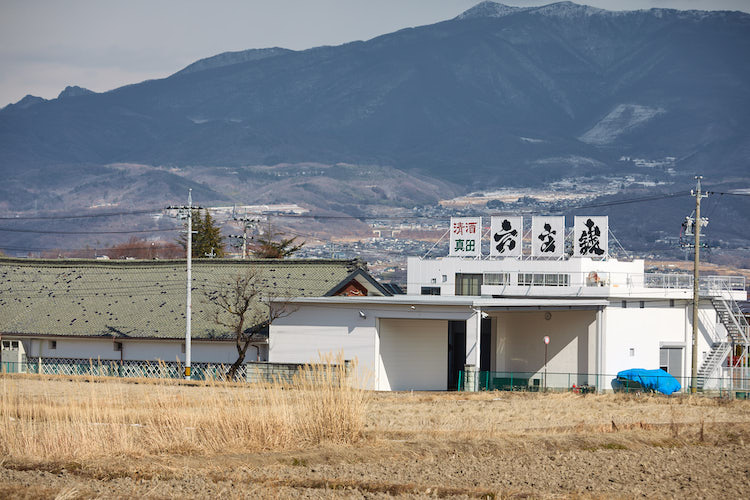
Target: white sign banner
(506, 236)
(466, 236)
(590, 236)
(548, 236)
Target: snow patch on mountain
(564, 10)
(229, 58)
(621, 120)
(569, 162)
(569, 10)
(490, 9)
(531, 140)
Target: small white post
(546, 343)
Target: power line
(631, 200)
(728, 194)
(334, 217)
(160, 246)
(317, 217)
(87, 232)
(403, 217)
(82, 216)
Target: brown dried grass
(78, 419)
(504, 414)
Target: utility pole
(247, 223)
(185, 212)
(696, 284)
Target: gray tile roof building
(145, 299)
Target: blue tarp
(657, 380)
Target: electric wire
(724, 193)
(344, 217)
(84, 216)
(88, 232)
(288, 217)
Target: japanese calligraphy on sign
(506, 236)
(466, 236)
(590, 236)
(548, 236)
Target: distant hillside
(74, 91)
(229, 58)
(497, 96)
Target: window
(624, 304)
(632, 352)
(53, 344)
(468, 284)
(671, 302)
(10, 344)
(430, 290)
(497, 278)
(642, 304)
(539, 279)
(118, 346)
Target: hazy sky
(103, 44)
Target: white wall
(519, 345)
(617, 279)
(646, 331)
(315, 329)
(413, 355)
(617, 275)
(134, 349)
(312, 331)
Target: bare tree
(246, 306)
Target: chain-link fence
(101, 368)
(249, 372)
(735, 382)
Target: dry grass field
(108, 438)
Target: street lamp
(730, 363)
(546, 343)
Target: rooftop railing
(685, 281)
(682, 281)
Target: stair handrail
(713, 362)
(735, 313)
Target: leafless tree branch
(245, 306)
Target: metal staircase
(734, 321)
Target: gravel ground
(533, 467)
(445, 445)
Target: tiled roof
(140, 299)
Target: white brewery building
(480, 321)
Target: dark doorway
(485, 345)
(456, 351)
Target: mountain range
(498, 96)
